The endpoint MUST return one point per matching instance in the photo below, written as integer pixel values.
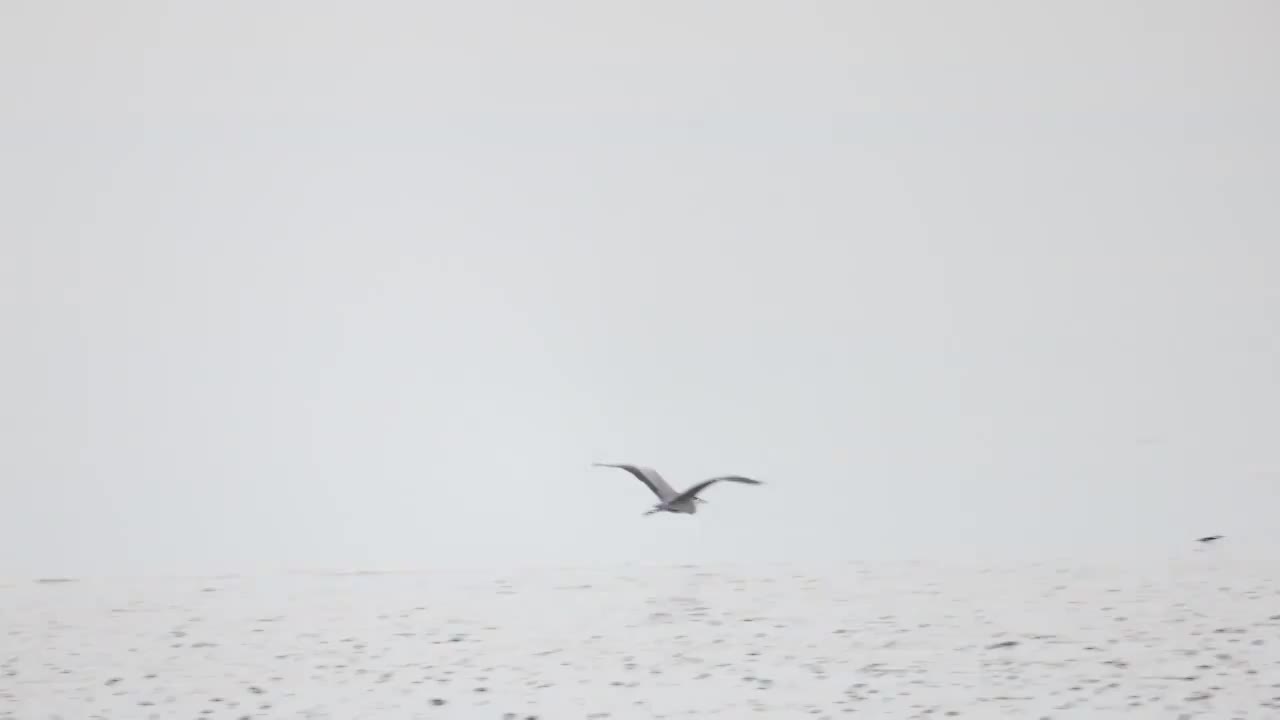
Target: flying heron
(668, 499)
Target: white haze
(338, 285)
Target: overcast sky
(370, 285)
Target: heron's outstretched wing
(648, 476)
(693, 490)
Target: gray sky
(368, 284)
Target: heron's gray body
(669, 500)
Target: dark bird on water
(668, 499)
(1208, 538)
